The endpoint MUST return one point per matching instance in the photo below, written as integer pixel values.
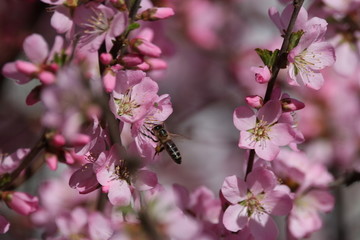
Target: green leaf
(294, 39)
(133, 26)
(268, 57)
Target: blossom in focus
(308, 58)
(99, 23)
(261, 131)
(252, 202)
(132, 96)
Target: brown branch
(7, 179)
(282, 56)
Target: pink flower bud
(58, 140)
(291, 104)
(109, 80)
(106, 58)
(153, 14)
(26, 68)
(145, 47)
(51, 161)
(262, 74)
(144, 66)
(254, 101)
(80, 139)
(131, 60)
(156, 63)
(21, 203)
(46, 77)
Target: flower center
(260, 131)
(126, 104)
(121, 172)
(97, 24)
(253, 204)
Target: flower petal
(270, 112)
(280, 134)
(36, 48)
(263, 227)
(267, 150)
(244, 118)
(277, 203)
(119, 193)
(234, 189)
(234, 218)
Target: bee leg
(149, 137)
(159, 148)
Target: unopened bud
(131, 60)
(145, 47)
(156, 63)
(21, 203)
(109, 80)
(262, 74)
(46, 77)
(106, 58)
(26, 68)
(254, 101)
(153, 14)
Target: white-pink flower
(118, 180)
(252, 202)
(261, 131)
(100, 23)
(304, 218)
(133, 96)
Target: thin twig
(282, 56)
(25, 163)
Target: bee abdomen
(173, 151)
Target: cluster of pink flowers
(103, 108)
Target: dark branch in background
(7, 180)
(280, 61)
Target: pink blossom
(62, 20)
(252, 202)
(100, 23)
(304, 218)
(262, 74)
(117, 178)
(141, 131)
(40, 65)
(72, 223)
(295, 165)
(261, 131)
(133, 96)
(21, 203)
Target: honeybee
(166, 143)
